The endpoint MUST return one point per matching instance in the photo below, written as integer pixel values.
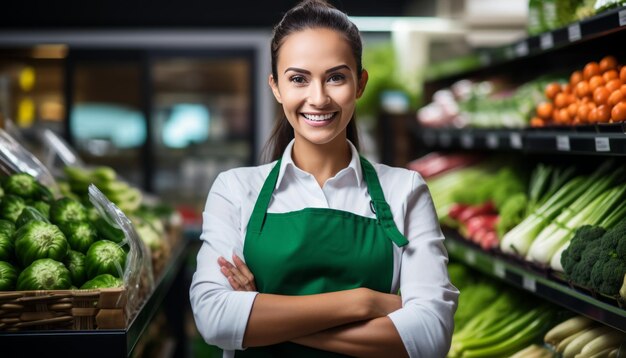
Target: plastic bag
(138, 277)
(14, 158)
(58, 153)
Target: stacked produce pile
(493, 321)
(582, 337)
(488, 104)
(595, 94)
(150, 222)
(50, 244)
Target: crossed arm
(351, 322)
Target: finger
(243, 267)
(238, 277)
(235, 285)
(223, 262)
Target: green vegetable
(11, 207)
(37, 240)
(512, 213)
(572, 256)
(107, 231)
(75, 262)
(29, 214)
(7, 245)
(460, 275)
(42, 207)
(80, 235)
(105, 257)
(102, 281)
(101, 174)
(66, 210)
(44, 274)
(148, 233)
(8, 276)
(474, 298)
(25, 186)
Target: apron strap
(263, 201)
(383, 211)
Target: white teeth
(318, 117)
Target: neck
(322, 161)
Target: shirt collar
(287, 164)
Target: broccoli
(608, 270)
(581, 273)
(11, 207)
(66, 210)
(583, 236)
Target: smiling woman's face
(317, 84)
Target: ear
(362, 83)
(274, 87)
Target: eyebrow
(333, 69)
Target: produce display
(563, 219)
(486, 104)
(594, 94)
(43, 249)
(493, 321)
(582, 337)
(546, 15)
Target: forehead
(315, 48)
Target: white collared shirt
(425, 322)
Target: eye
(297, 79)
(337, 77)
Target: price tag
(470, 257)
(445, 139)
(546, 41)
(562, 143)
(467, 140)
(492, 141)
(602, 144)
(521, 49)
(622, 17)
(499, 270)
(529, 283)
(574, 33)
(516, 140)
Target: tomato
(615, 97)
(552, 89)
(610, 75)
(595, 82)
(591, 69)
(593, 115)
(613, 85)
(544, 110)
(561, 100)
(537, 122)
(603, 113)
(564, 117)
(623, 89)
(582, 89)
(618, 113)
(576, 77)
(608, 63)
(583, 113)
(601, 95)
(572, 109)
(622, 74)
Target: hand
(238, 275)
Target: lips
(319, 119)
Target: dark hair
(310, 14)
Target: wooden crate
(63, 309)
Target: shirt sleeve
(221, 314)
(425, 321)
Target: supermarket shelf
(539, 284)
(98, 343)
(609, 139)
(604, 23)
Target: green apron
(316, 250)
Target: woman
(328, 239)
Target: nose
(317, 94)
